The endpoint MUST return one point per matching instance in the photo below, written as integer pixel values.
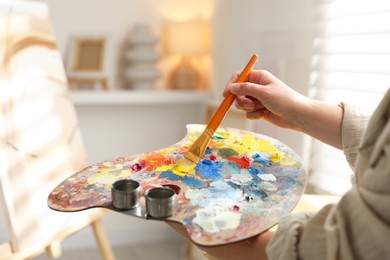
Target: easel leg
(102, 240)
(54, 250)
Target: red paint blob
(213, 157)
(243, 162)
(168, 161)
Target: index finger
(233, 79)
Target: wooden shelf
(128, 97)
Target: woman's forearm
(322, 121)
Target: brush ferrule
(208, 132)
(192, 157)
(197, 149)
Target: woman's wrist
(322, 121)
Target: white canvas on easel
(40, 143)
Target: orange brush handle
(229, 98)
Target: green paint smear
(220, 135)
(227, 152)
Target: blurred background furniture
(187, 42)
(86, 62)
(40, 143)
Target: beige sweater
(359, 226)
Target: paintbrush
(198, 148)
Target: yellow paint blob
(164, 168)
(246, 144)
(286, 160)
(275, 157)
(183, 167)
(283, 158)
(265, 146)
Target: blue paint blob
(209, 169)
(259, 159)
(207, 162)
(170, 176)
(251, 193)
(194, 183)
(255, 172)
(208, 150)
(234, 185)
(188, 221)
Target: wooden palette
(244, 184)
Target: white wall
(278, 30)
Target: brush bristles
(197, 149)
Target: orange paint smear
(153, 161)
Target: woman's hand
(251, 248)
(265, 96)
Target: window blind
(350, 63)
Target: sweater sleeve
(358, 227)
(354, 122)
(284, 243)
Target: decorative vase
(141, 72)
